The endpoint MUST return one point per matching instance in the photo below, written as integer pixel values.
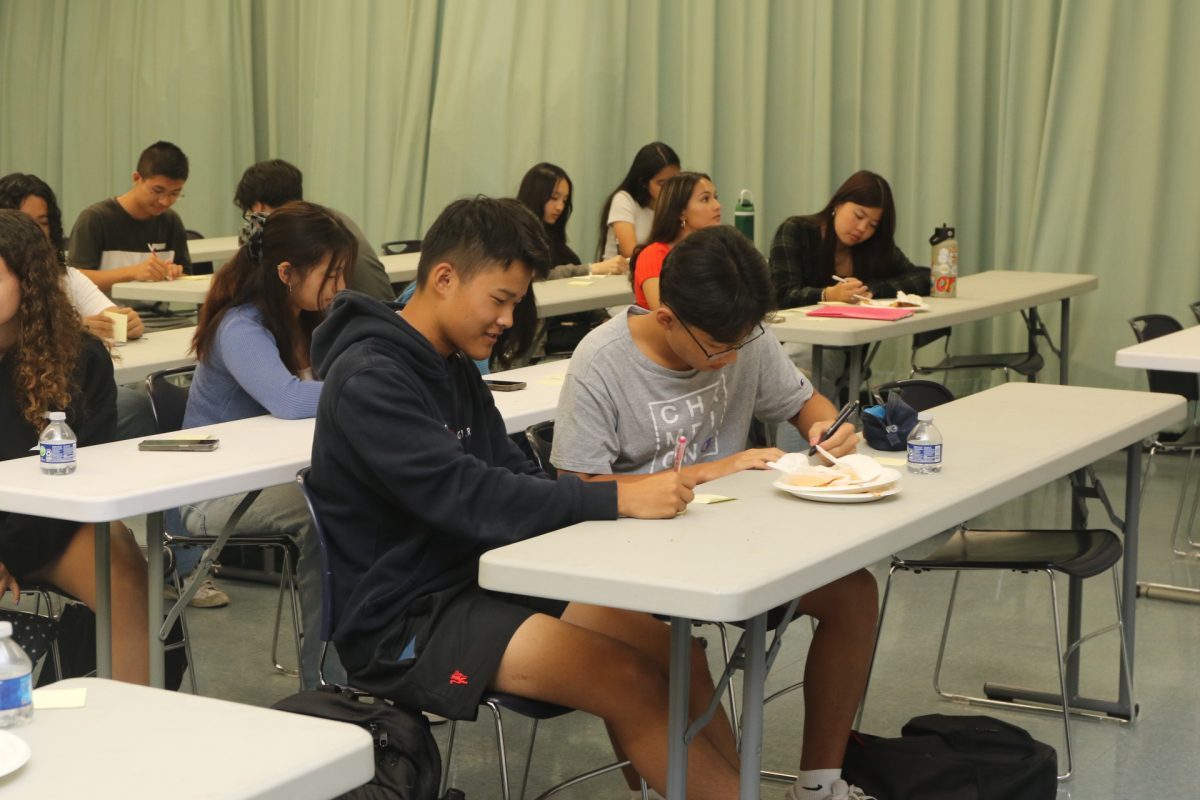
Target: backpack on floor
(407, 763)
(942, 757)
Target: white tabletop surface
(1175, 352)
(565, 296)
(730, 561)
(253, 454)
(980, 296)
(218, 250)
(402, 267)
(122, 744)
(155, 350)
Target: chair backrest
(929, 337)
(922, 395)
(541, 439)
(1152, 326)
(168, 391)
(401, 246)
(326, 571)
(1195, 307)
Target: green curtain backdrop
(1055, 134)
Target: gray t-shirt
(620, 412)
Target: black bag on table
(887, 427)
(408, 765)
(942, 757)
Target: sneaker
(838, 790)
(208, 595)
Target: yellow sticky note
(709, 499)
(580, 281)
(59, 698)
(553, 380)
(194, 277)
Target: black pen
(845, 414)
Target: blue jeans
(278, 509)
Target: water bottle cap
(5, 630)
(743, 194)
(925, 416)
(56, 416)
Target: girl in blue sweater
(252, 348)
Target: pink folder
(862, 312)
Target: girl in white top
(31, 195)
(629, 211)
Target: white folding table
(119, 746)
(1000, 444)
(565, 296)
(153, 351)
(218, 250)
(980, 296)
(1175, 352)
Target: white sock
(815, 784)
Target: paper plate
(14, 752)
(808, 493)
(886, 476)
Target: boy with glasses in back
(702, 366)
(136, 236)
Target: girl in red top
(688, 203)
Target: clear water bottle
(57, 445)
(925, 446)
(16, 681)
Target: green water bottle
(743, 214)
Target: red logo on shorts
(458, 679)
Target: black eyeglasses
(727, 350)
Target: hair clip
(251, 235)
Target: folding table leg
(679, 691)
(103, 602)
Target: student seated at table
(136, 236)
(703, 366)
(688, 203)
(415, 478)
(851, 238)
(252, 354)
(49, 363)
(267, 185)
(547, 191)
(30, 194)
(629, 211)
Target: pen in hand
(680, 448)
(843, 415)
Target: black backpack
(407, 763)
(940, 757)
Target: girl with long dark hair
(628, 212)
(547, 191)
(688, 203)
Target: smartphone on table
(504, 386)
(198, 445)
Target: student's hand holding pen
(836, 436)
(662, 495)
(156, 269)
(847, 290)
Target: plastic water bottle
(925, 446)
(743, 214)
(16, 681)
(57, 445)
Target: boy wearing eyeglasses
(136, 236)
(703, 366)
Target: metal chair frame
(168, 416)
(1027, 363)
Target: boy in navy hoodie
(414, 477)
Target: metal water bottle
(943, 264)
(743, 214)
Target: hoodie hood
(354, 317)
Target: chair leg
(887, 589)
(937, 670)
(1062, 674)
(187, 639)
(449, 757)
(284, 581)
(1187, 473)
(496, 716)
(289, 569)
(528, 759)
(1129, 684)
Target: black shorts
(30, 543)
(444, 652)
